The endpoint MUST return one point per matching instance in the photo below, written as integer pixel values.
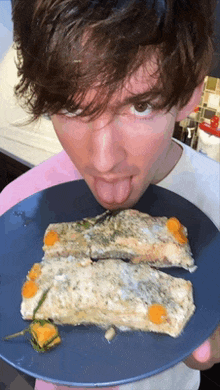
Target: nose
(107, 150)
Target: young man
(115, 76)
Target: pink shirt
(58, 169)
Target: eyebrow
(132, 99)
(139, 98)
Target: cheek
(148, 139)
(149, 144)
(61, 129)
(71, 136)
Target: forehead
(143, 80)
(140, 82)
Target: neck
(172, 157)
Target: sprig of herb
(106, 216)
(21, 333)
(41, 301)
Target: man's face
(121, 152)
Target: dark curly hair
(66, 47)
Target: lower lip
(116, 192)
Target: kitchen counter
(30, 144)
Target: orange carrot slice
(157, 314)
(43, 333)
(180, 237)
(51, 238)
(35, 271)
(175, 227)
(173, 224)
(29, 289)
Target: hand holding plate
(207, 354)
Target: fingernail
(203, 353)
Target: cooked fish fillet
(71, 241)
(128, 234)
(108, 293)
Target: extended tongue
(122, 189)
(116, 192)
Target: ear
(194, 101)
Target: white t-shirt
(196, 178)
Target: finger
(207, 354)
(215, 345)
(204, 353)
(201, 358)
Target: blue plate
(85, 358)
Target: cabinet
(10, 169)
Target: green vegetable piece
(48, 345)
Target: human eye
(68, 114)
(141, 109)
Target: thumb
(207, 354)
(201, 357)
(203, 353)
